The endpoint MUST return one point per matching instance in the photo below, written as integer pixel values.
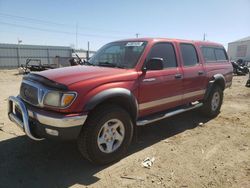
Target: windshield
(118, 54)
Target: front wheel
(106, 135)
(212, 105)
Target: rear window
(213, 54)
(189, 54)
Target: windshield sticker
(134, 44)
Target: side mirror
(154, 64)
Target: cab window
(189, 54)
(166, 52)
(220, 54)
(208, 54)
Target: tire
(246, 70)
(211, 107)
(234, 71)
(98, 143)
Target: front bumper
(39, 124)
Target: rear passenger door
(161, 89)
(194, 77)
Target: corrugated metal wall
(13, 55)
(235, 50)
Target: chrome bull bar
(24, 123)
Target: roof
(5, 45)
(172, 40)
(242, 40)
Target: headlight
(58, 99)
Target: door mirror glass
(154, 64)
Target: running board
(149, 120)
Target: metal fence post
(48, 56)
(18, 57)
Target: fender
(216, 79)
(126, 97)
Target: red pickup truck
(126, 84)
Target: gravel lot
(189, 150)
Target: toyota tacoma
(126, 84)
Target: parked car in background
(126, 84)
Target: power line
(58, 31)
(40, 21)
(59, 24)
(32, 19)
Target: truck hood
(74, 74)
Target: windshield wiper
(80, 62)
(86, 62)
(107, 64)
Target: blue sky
(54, 22)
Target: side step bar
(149, 120)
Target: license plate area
(18, 113)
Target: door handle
(149, 79)
(178, 76)
(200, 72)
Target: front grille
(29, 93)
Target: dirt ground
(189, 151)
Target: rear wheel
(106, 135)
(212, 105)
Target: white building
(239, 49)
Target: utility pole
(19, 41)
(137, 35)
(76, 36)
(204, 36)
(88, 52)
